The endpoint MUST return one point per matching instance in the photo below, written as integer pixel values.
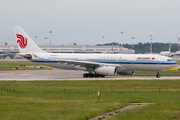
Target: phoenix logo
(22, 41)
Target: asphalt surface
(58, 74)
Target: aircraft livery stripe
(113, 62)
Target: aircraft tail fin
(25, 43)
(170, 48)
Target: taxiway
(57, 74)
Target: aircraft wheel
(102, 76)
(96, 75)
(91, 75)
(85, 75)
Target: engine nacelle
(28, 56)
(107, 71)
(126, 73)
(24, 55)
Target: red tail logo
(22, 41)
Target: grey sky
(86, 21)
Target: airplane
(96, 65)
(166, 53)
(175, 54)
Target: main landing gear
(86, 75)
(158, 75)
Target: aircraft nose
(174, 64)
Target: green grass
(8, 65)
(75, 103)
(178, 61)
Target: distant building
(88, 49)
(72, 44)
(3, 43)
(73, 48)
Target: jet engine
(106, 70)
(24, 55)
(28, 56)
(126, 73)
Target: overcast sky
(86, 21)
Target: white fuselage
(123, 62)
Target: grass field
(178, 61)
(77, 100)
(8, 65)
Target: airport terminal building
(72, 48)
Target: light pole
(50, 32)
(103, 40)
(133, 44)
(178, 43)
(151, 43)
(35, 38)
(45, 42)
(122, 41)
(8, 40)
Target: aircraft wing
(85, 63)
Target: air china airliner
(96, 65)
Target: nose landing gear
(158, 75)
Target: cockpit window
(169, 59)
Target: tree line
(145, 47)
